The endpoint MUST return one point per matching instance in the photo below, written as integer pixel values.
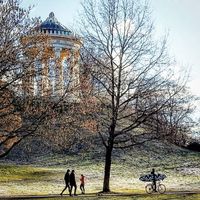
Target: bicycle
(149, 188)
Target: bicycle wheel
(149, 188)
(161, 188)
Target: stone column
(38, 79)
(77, 67)
(45, 82)
(58, 73)
(65, 60)
(74, 67)
(28, 82)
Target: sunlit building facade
(56, 77)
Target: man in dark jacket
(67, 182)
(72, 181)
(154, 180)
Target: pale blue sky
(180, 18)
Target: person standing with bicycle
(155, 185)
(154, 180)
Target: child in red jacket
(82, 185)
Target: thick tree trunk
(106, 183)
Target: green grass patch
(23, 172)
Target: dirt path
(90, 195)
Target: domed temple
(65, 47)
(53, 27)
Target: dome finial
(51, 15)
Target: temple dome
(52, 26)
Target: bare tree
(129, 70)
(16, 61)
(174, 122)
(22, 51)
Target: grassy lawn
(45, 175)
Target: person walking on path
(67, 182)
(72, 181)
(82, 185)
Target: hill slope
(44, 174)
